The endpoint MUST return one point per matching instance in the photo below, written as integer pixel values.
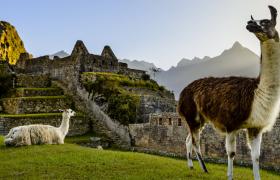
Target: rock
(11, 45)
(95, 139)
(99, 147)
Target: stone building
(165, 132)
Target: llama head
(13, 137)
(68, 113)
(264, 29)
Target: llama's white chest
(265, 109)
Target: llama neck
(266, 104)
(64, 127)
(270, 67)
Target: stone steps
(35, 104)
(28, 92)
(79, 124)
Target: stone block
(28, 92)
(37, 81)
(36, 104)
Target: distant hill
(60, 54)
(141, 65)
(236, 61)
(11, 45)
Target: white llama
(40, 134)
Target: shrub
(6, 83)
(6, 80)
(145, 77)
(161, 88)
(122, 105)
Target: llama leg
(196, 144)
(231, 149)
(189, 150)
(255, 138)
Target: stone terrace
(34, 101)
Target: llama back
(225, 101)
(44, 134)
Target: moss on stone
(11, 46)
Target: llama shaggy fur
(39, 134)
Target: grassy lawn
(71, 161)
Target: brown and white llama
(235, 103)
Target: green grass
(70, 161)
(122, 80)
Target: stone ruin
(36, 77)
(79, 61)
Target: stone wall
(154, 104)
(29, 92)
(27, 105)
(165, 132)
(38, 81)
(163, 135)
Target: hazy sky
(158, 31)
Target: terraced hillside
(36, 101)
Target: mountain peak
(236, 45)
(60, 54)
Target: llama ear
(61, 110)
(273, 12)
(252, 18)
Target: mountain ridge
(235, 61)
